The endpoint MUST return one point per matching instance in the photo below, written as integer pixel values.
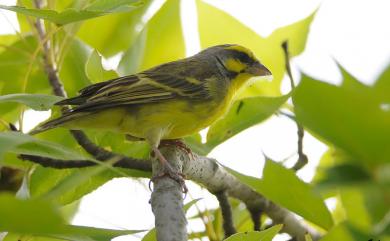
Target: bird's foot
(169, 172)
(179, 144)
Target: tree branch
(256, 217)
(81, 138)
(228, 225)
(204, 170)
(302, 158)
(123, 162)
(49, 64)
(167, 200)
(209, 173)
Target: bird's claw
(176, 176)
(179, 144)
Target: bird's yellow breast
(160, 120)
(175, 119)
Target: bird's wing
(146, 87)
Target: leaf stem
(302, 157)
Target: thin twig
(287, 63)
(28, 72)
(288, 115)
(124, 162)
(256, 217)
(227, 216)
(99, 153)
(302, 158)
(58, 89)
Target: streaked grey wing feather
(162, 83)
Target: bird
(166, 102)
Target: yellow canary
(169, 101)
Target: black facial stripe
(228, 73)
(241, 56)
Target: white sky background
(355, 32)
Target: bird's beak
(258, 69)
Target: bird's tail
(61, 121)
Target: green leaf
(353, 203)
(164, 36)
(366, 206)
(69, 211)
(15, 62)
(150, 236)
(71, 183)
(350, 118)
(132, 58)
(117, 32)
(308, 237)
(296, 34)
(117, 143)
(113, 6)
(94, 68)
(6, 40)
(96, 9)
(290, 192)
(22, 237)
(66, 186)
(213, 31)
(243, 114)
(346, 174)
(72, 71)
(95, 71)
(338, 232)
(266, 235)
(20, 143)
(98, 234)
(43, 180)
(382, 85)
(41, 217)
(377, 204)
(35, 101)
(29, 216)
(346, 232)
(61, 136)
(190, 203)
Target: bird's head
(238, 63)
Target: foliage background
(350, 119)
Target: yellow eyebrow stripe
(241, 49)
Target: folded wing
(146, 87)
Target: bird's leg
(168, 171)
(179, 144)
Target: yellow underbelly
(173, 120)
(176, 119)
